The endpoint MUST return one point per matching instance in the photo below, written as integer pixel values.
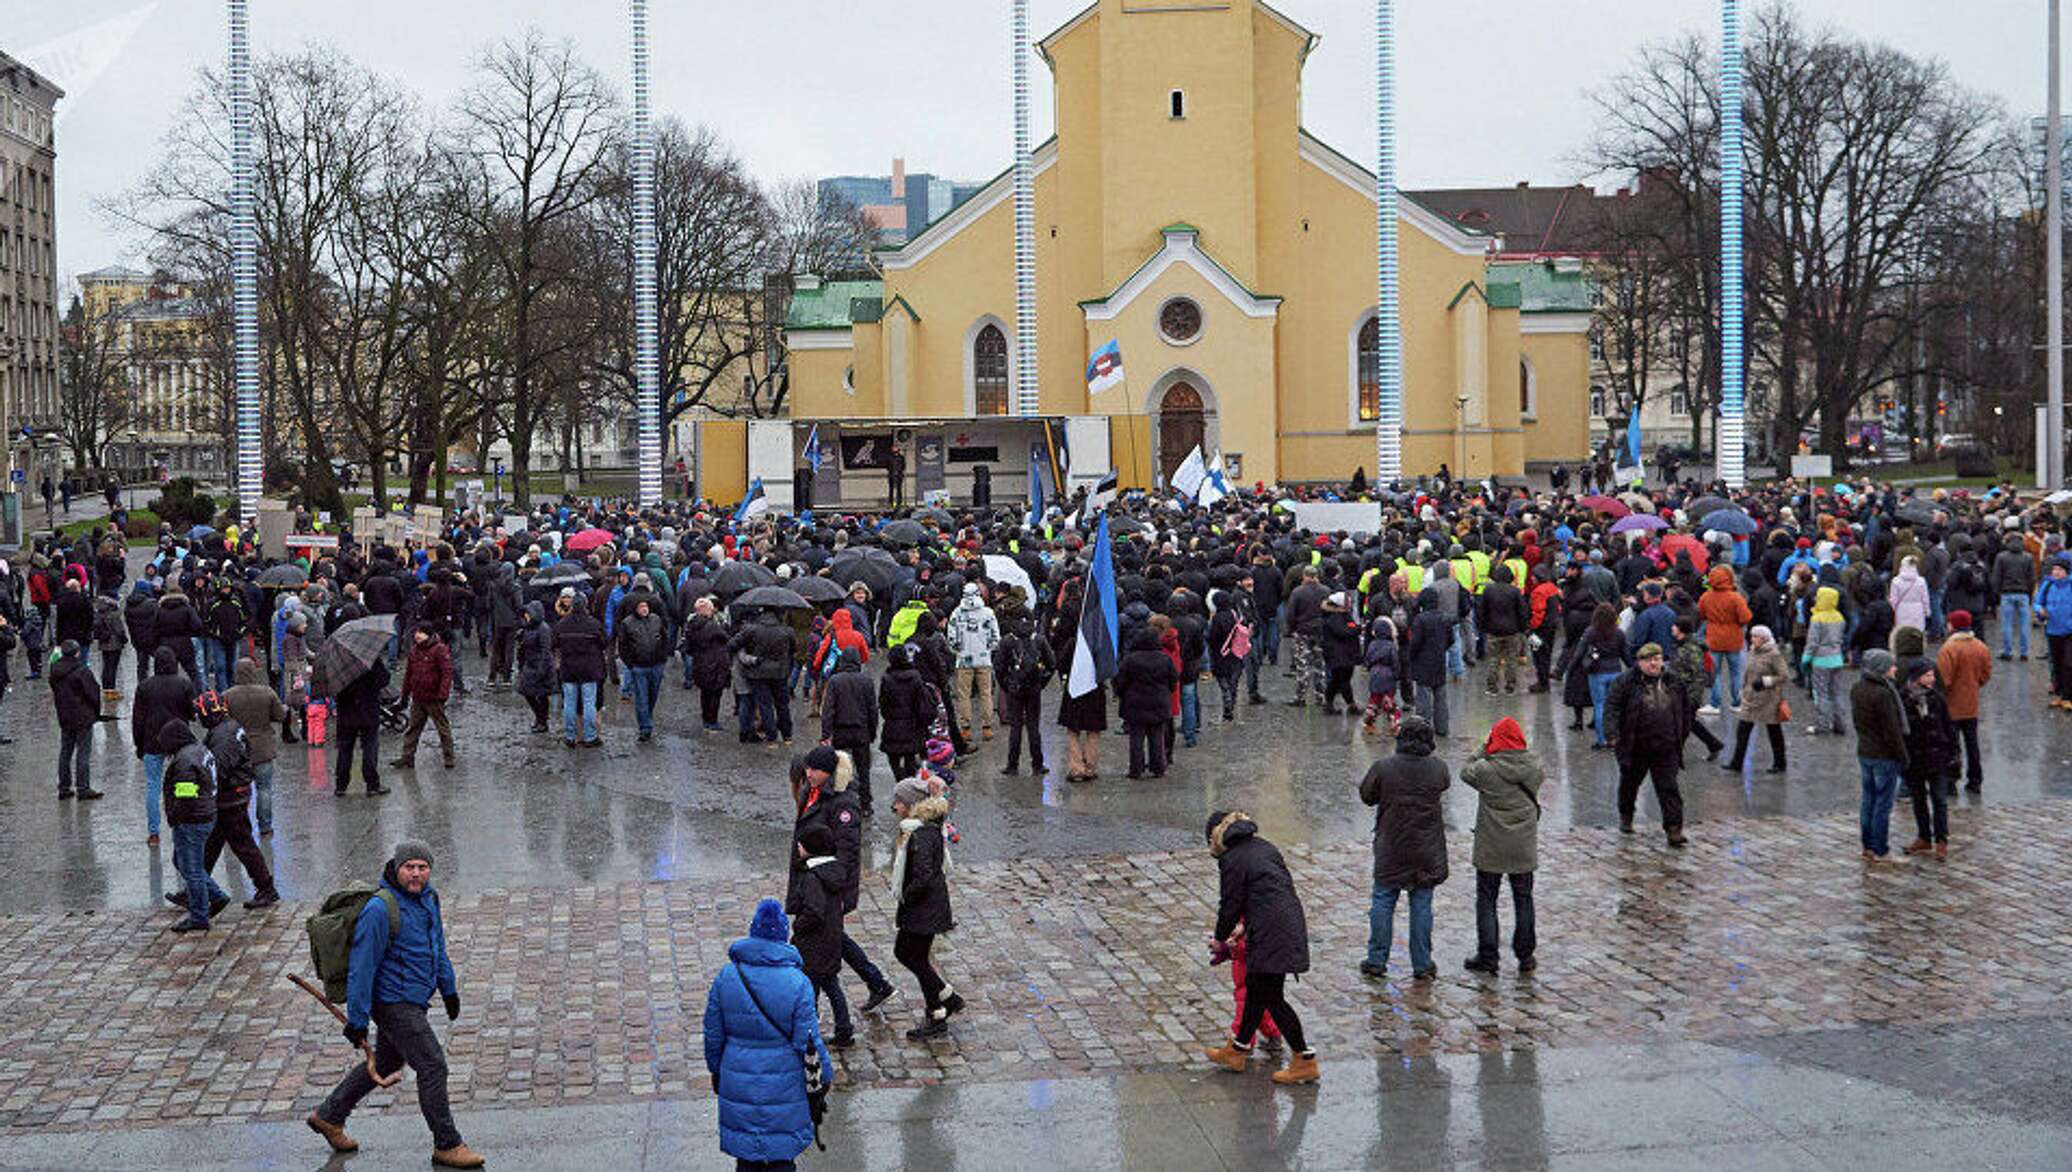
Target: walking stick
(372, 1073)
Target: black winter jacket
(75, 692)
(924, 897)
(705, 640)
(579, 639)
(770, 642)
(1144, 681)
(1431, 633)
(1256, 889)
(814, 903)
(1504, 611)
(168, 695)
(140, 615)
(849, 711)
(906, 709)
(189, 785)
(1409, 813)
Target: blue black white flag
(754, 505)
(1096, 651)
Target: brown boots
(332, 1133)
(1302, 1068)
(457, 1156)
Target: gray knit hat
(410, 849)
(911, 792)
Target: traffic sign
(20, 477)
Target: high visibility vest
(1480, 561)
(1413, 576)
(1518, 572)
(1464, 573)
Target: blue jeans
(1935, 612)
(646, 683)
(154, 778)
(1381, 927)
(2014, 616)
(1190, 712)
(262, 788)
(1456, 663)
(1880, 786)
(1600, 683)
(579, 699)
(1727, 667)
(190, 839)
(1269, 642)
(217, 658)
(859, 962)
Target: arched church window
(989, 371)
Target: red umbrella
(1674, 542)
(588, 540)
(1605, 504)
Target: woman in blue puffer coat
(762, 1039)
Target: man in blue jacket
(2054, 604)
(389, 982)
(762, 1047)
(1654, 622)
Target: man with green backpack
(395, 960)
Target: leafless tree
(535, 129)
(95, 398)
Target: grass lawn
(146, 516)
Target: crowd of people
(1649, 616)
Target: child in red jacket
(1234, 952)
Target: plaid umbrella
(349, 651)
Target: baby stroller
(395, 712)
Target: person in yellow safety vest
(1480, 561)
(1413, 576)
(1518, 569)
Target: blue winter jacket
(758, 1074)
(409, 968)
(2055, 597)
(1653, 625)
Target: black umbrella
(284, 575)
(905, 533)
(349, 651)
(1120, 524)
(561, 574)
(935, 515)
(735, 577)
(814, 589)
(776, 597)
(869, 565)
(1705, 505)
(1912, 514)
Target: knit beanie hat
(1877, 663)
(769, 922)
(910, 792)
(409, 850)
(1960, 620)
(821, 758)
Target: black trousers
(1524, 937)
(75, 759)
(1266, 993)
(1023, 714)
(1339, 683)
(2061, 665)
(911, 949)
(1967, 731)
(500, 654)
(538, 704)
(709, 701)
(1147, 747)
(904, 765)
(1743, 731)
(402, 1037)
(234, 829)
(1543, 661)
(1660, 768)
(1705, 735)
(1931, 798)
(111, 669)
(368, 738)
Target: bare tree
(534, 128)
(95, 399)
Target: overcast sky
(1491, 91)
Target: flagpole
(244, 269)
(647, 360)
(1388, 414)
(1729, 458)
(1026, 399)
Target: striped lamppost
(244, 269)
(1388, 330)
(647, 342)
(1730, 458)
(1026, 401)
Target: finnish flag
(755, 504)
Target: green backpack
(331, 932)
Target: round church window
(1180, 321)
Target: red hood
(1504, 736)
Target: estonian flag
(755, 504)
(1095, 653)
(813, 449)
(1100, 498)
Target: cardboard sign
(312, 541)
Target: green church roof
(835, 305)
(1542, 286)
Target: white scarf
(907, 826)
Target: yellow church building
(1184, 213)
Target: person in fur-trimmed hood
(920, 878)
(824, 793)
(1258, 892)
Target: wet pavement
(1758, 1000)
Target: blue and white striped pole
(647, 357)
(244, 270)
(1730, 457)
(1027, 401)
(1388, 419)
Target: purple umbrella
(1639, 521)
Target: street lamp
(496, 464)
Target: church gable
(1182, 247)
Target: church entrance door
(1180, 427)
